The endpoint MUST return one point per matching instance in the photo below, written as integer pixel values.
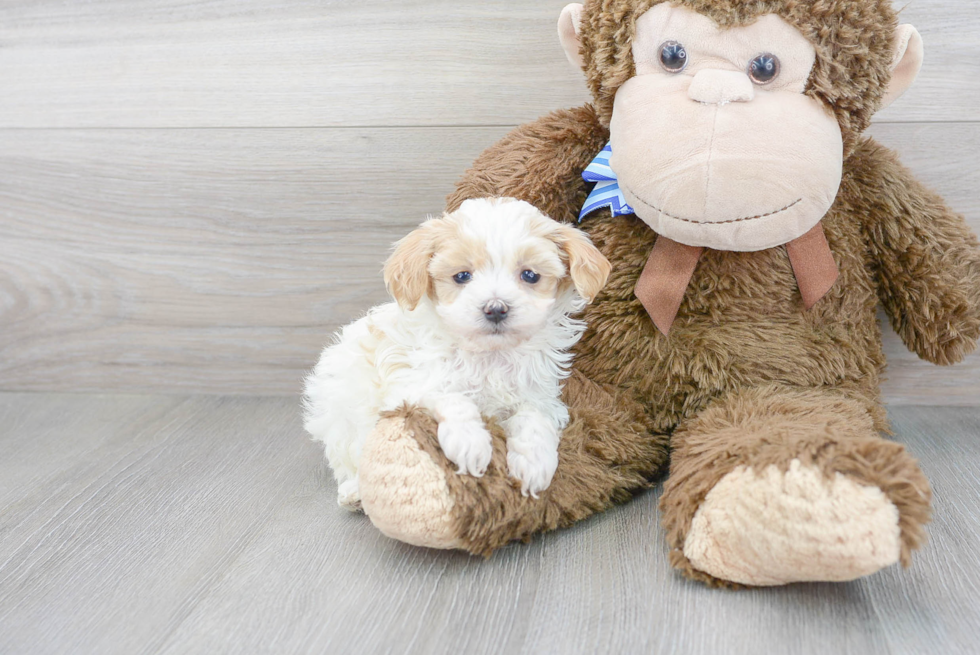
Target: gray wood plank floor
(148, 524)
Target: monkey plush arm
(928, 260)
(540, 162)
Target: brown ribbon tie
(664, 280)
(671, 265)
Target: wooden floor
(195, 524)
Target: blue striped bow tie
(606, 192)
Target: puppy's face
(494, 269)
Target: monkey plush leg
(412, 492)
(772, 485)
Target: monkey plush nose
(717, 87)
(495, 311)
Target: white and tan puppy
(482, 326)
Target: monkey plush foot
(773, 486)
(403, 491)
(772, 527)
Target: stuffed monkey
(753, 230)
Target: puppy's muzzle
(495, 311)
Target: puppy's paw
(349, 495)
(533, 463)
(467, 444)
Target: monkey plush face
(714, 142)
(719, 135)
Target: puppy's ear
(587, 267)
(407, 269)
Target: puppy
(482, 326)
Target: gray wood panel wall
(193, 195)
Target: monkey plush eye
(462, 277)
(764, 68)
(530, 277)
(673, 57)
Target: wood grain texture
(214, 260)
(247, 63)
(133, 524)
(224, 63)
(220, 261)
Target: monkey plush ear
(568, 30)
(906, 62)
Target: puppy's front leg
(532, 449)
(462, 435)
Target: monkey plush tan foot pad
(773, 528)
(403, 491)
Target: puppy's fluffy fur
(482, 325)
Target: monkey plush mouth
(697, 222)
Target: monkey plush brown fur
(771, 412)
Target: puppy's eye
(764, 68)
(673, 57)
(462, 277)
(530, 277)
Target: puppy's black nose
(495, 311)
